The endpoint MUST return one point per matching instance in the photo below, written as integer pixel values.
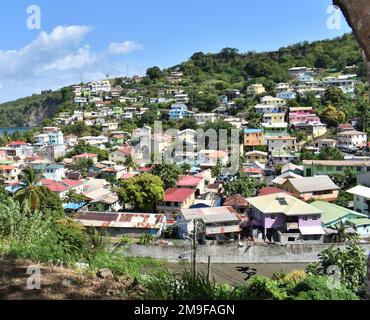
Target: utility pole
(194, 260)
(209, 269)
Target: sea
(12, 130)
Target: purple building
(286, 219)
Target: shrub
(317, 288)
(262, 288)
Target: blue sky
(90, 39)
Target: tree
(167, 172)
(352, 263)
(334, 95)
(216, 170)
(31, 191)
(83, 165)
(332, 117)
(329, 153)
(342, 235)
(74, 197)
(130, 163)
(141, 192)
(242, 185)
(154, 73)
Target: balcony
(291, 226)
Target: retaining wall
(261, 253)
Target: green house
(329, 167)
(334, 214)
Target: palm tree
(130, 163)
(31, 191)
(343, 235)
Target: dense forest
(206, 76)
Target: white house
(361, 199)
(352, 139)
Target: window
(305, 218)
(314, 218)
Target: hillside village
(304, 174)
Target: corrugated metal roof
(121, 220)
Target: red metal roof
(188, 181)
(7, 167)
(72, 183)
(252, 170)
(17, 143)
(54, 186)
(270, 190)
(177, 194)
(127, 176)
(85, 155)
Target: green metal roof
(334, 213)
(360, 221)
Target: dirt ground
(60, 284)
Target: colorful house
(253, 137)
(175, 200)
(309, 188)
(283, 218)
(330, 167)
(361, 199)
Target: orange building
(253, 137)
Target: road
(228, 273)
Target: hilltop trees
(154, 73)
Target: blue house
(288, 95)
(179, 111)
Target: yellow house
(253, 156)
(274, 117)
(255, 89)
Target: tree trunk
(357, 13)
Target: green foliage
(262, 288)
(146, 239)
(74, 197)
(242, 185)
(18, 223)
(167, 172)
(326, 153)
(154, 73)
(82, 165)
(126, 240)
(83, 147)
(23, 112)
(141, 192)
(164, 286)
(351, 261)
(317, 288)
(216, 170)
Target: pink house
(302, 115)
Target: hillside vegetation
(206, 76)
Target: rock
(105, 273)
(68, 283)
(81, 266)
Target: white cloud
(82, 58)
(57, 59)
(124, 47)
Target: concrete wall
(264, 253)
